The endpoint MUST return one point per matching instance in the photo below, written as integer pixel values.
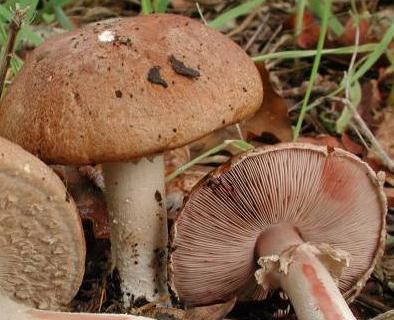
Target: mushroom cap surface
(126, 88)
(42, 248)
(328, 195)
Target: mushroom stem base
(136, 202)
(305, 272)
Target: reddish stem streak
(322, 298)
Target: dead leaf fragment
(347, 38)
(322, 140)
(272, 117)
(385, 132)
(212, 312)
(309, 35)
(350, 145)
(88, 198)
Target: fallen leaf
(309, 35)
(350, 145)
(175, 158)
(212, 140)
(385, 132)
(182, 5)
(347, 38)
(88, 198)
(272, 117)
(212, 312)
(322, 140)
(180, 187)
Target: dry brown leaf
(272, 117)
(212, 312)
(385, 132)
(182, 4)
(347, 38)
(350, 145)
(309, 35)
(217, 137)
(89, 199)
(178, 188)
(175, 158)
(322, 140)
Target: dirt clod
(180, 68)
(155, 77)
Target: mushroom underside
(328, 196)
(42, 249)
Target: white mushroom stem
(11, 310)
(136, 203)
(298, 268)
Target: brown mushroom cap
(85, 97)
(42, 249)
(328, 195)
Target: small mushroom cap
(328, 195)
(42, 248)
(127, 88)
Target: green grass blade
(333, 23)
(375, 55)
(61, 17)
(315, 67)
(146, 7)
(16, 64)
(160, 6)
(347, 114)
(26, 34)
(240, 144)
(223, 19)
(300, 10)
(296, 54)
(5, 14)
(380, 48)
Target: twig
(13, 28)
(389, 315)
(362, 126)
(260, 28)
(367, 133)
(357, 119)
(201, 14)
(245, 23)
(352, 62)
(371, 302)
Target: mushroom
(42, 249)
(120, 92)
(303, 218)
(17, 311)
(11, 310)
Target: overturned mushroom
(121, 92)
(298, 217)
(11, 310)
(42, 249)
